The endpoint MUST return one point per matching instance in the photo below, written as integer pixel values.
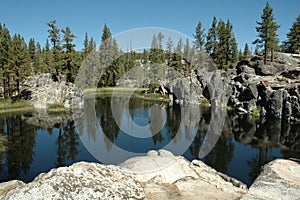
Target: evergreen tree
(46, 59)
(241, 56)
(5, 71)
(267, 32)
(246, 53)
(156, 51)
(18, 62)
(70, 57)
(106, 35)
(187, 50)
(232, 46)
(199, 37)
(37, 59)
(221, 49)
(292, 45)
(160, 37)
(176, 57)
(225, 50)
(179, 47)
(211, 38)
(54, 36)
(86, 45)
(109, 52)
(170, 45)
(31, 49)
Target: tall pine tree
(54, 36)
(199, 37)
(292, 45)
(267, 32)
(246, 53)
(71, 61)
(5, 40)
(18, 62)
(211, 38)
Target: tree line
(19, 60)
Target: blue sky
(29, 17)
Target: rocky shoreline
(271, 90)
(159, 175)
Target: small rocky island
(159, 175)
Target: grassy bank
(9, 105)
(120, 91)
(56, 107)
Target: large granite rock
(274, 88)
(79, 181)
(159, 175)
(166, 176)
(42, 90)
(280, 179)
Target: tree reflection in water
(262, 140)
(19, 153)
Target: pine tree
(267, 32)
(187, 50)
(232, 49)
(106, 35)
(211, 38)
(160, 38)
(37, 60)
(46, 59)
(86, 45)
(221, 49)
(54, 36)
(234, 53)
(199, 37)
(18, 62)
(176, 57)
(241, 56)
(292, 45)
(179, 47)
(31, 49)
(5, 40)
(170, 45)
(246, 53)
(109, 52)
(156, 53)
(70, 67)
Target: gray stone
(166, 176)
(80, 181)
(280, 179)
(40, 90)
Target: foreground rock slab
(280, 179)
(159, 175)
(79, 181)
(165, 176)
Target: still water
(38, 142)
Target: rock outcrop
(43, 90)
(274, 88)
(280, 179)
(160, 175)
(165, 176)
(79, 181)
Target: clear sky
(29, 17)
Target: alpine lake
(40, 141)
